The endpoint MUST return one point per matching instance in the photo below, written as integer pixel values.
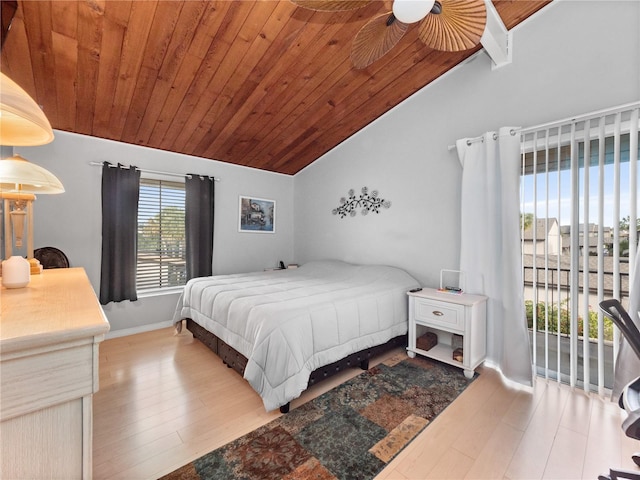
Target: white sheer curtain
(490, 252)
(627, 362)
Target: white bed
(288, 323)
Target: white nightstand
(447, 314)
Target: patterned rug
(350, 432)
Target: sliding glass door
(579, 230)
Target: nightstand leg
(411, 354)
(468, 373)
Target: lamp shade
(22, 121)
(411, 11)
(17, 175)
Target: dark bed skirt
(234, 359)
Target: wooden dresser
(49, 336)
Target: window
(161, 235)
(579, 233)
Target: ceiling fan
(446, 25)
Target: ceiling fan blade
(459, 25)
(331, 5)
(375, 39)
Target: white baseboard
(141, 329)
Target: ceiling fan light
(411, 11)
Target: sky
(560, 205)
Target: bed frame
(234, 359)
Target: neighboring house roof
(543, 229)
(565, 268)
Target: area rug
(350, 432)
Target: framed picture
(257, 215)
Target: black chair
(51, 257)
(630, 397)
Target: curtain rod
(583, 117)
(157, 172)
(578, 118)
(470, 141)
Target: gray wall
(572, 58)
(72, 221)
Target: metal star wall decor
(368, 202)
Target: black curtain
(199, 210)
(120, 188)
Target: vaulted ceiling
(263, 84)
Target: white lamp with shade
(22, 123)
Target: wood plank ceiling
(263, 84)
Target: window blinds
(579, 212)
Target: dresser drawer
(34, 382)
(439, 314)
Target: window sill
(156, 292)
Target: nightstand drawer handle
(437, 313)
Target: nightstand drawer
(441, 314)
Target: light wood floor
(165, 400)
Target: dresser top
(58, 305)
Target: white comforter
(291, 322)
